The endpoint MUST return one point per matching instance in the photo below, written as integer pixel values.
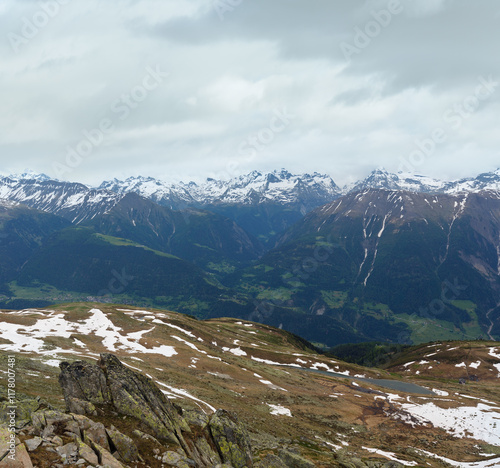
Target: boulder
(18, 459)
(77, 406)
(196, 418)
(292, 460)
(48, 432)
(6, 442)
(57, 441)
(72, 429)
(38, 421)
(87, 453)
(55, 417)
(271, 461)
(145, 436)
(68, 453)
(97, 434)
(107, 460)
(231, 439)
(83, 422)
(174, 459)
(208, 454)
(33, 444)
(124, 445)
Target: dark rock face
(83, 381)
(204, 440)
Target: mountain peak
(279, 186)
(380, 170)
(28, 174)
(405, 181)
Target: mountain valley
(395, 257)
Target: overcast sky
(185, 89)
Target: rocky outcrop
(130, 393)
(201, 440)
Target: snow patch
(185, 394)
(390, 456)
(187, 343)
(440, 392)
(480, 422)
(279, 410)
(236, 351)
(492, 462)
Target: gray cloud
(227, 79)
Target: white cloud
(228, 77)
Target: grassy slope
(326, 409)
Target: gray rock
(208, 456)
(231, 439)
(38, 421)
(293, 460)
(196, 418)
(22, 460)
(57, 441)
(24, 408)
(83, 422)
(174, 459)
(77, 406)
(107, 460)
(124, 446)
(97, 434)
(5, 445)
(72, 428)
(270, 461)
(143, 435)
(68, 452)
(53, 417)
(33, 444)
(48, 432)
(86, 452)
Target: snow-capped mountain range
(284, 188)
(280, 187)
(78, 202)
(403, 181)
(73, 201)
